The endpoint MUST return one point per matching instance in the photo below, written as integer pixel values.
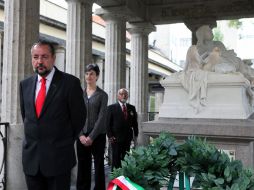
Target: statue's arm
(220, 45)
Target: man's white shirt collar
(49, 77)
(121, 104)
(48, 81)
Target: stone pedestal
(223, 121)
(235, 136)
(227, 98)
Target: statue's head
(203, 33)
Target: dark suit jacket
(49, 140)
(118, 127)
(96, 113)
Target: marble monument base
(235, 137)
(228, 96)
(225, 119)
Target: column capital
(193, 25)
(141, 27)
(112, 14)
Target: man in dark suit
(122, 127)
(53, 112)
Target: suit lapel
(119, 110)
(31, 96)
(52, 90)
(97, 92)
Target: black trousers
(119, 150)
(40, 182)
(85, 164)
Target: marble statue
(214, 83)
(194, 79)
(224, 61)
(212, 60)
(195, 74)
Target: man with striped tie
(122, 127)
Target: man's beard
(123, 101)
(43, 73)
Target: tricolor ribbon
(123, 183)
(183, 179)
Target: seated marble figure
(194, 79)
(215, 57)
(208, 67)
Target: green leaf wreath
(153, 166)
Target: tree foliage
(218, 36)
(235, 24)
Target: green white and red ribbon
(123, 183)
(183, 180)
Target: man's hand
(86, 141)
(89, 141)
(82, 139)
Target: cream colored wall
(49, 30)
(162, 60)
(152, 66)
(53, 11)
(158, 69)
(98, 46)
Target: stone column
(158, 101)
(139, 70)
(60, 58)
(115, 55)
(21, 30)
(79, 37)
(128, 74)
(1, 61)
(100, 62)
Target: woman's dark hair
(93, 67)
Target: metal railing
(3, 150)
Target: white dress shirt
(48, 82)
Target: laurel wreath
(153, 166)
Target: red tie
(40, 97)
(125, 112)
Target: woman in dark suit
(92, 139)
